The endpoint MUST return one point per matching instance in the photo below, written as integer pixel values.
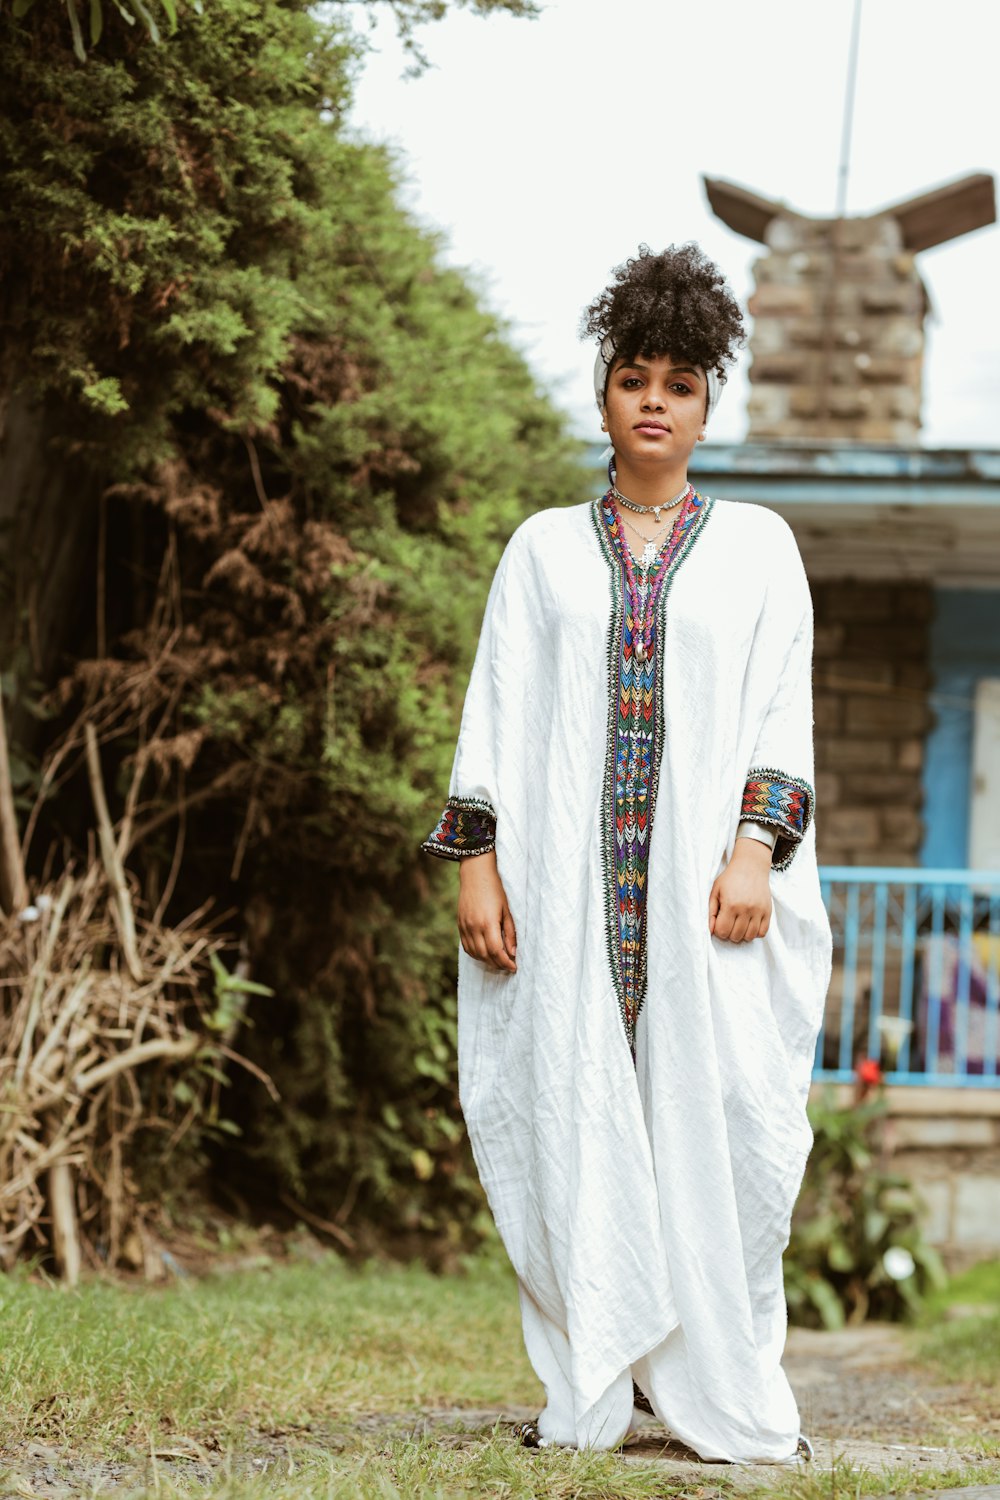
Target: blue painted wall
(965, 646)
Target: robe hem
(630, 1360)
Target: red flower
(868, 1071)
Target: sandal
(641, 1401)
(528, 1435)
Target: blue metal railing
(916, 976)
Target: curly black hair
(675, 303)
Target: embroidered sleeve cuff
(784, 802)
(467, 826)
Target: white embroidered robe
(644, 1198)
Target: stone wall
(871, 679)
(838, 340)
(946, 1142)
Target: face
(655, 408)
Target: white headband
(605, 356)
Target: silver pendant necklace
(644, 510)
(653, 543)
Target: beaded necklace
(644, 608)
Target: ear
(701, 437)
(604, 419)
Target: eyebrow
(637, 364)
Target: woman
(638, 1010)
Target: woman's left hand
(739, 907)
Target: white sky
(546, 150)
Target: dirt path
(860, 1398)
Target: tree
(290, 445)
(408, 14)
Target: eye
(630, 380)
(679, 385)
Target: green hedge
(313, 440)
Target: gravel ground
(860, 1400)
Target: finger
(753, 927)
(724, 922)
(739, 927)
(497, 952)
(509, 932)
(765, 924)
(500, 959)
(480, 948)
(714, 902)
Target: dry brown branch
(258, 482)
(221, 784)
(39, 979)
(124, 840)
(251, 1067)
(65, 1234)
(113, 867)
(102, 1014)
(133, 1058)
(13, 890)
(102, 576)
(107, 1016)
(78, 1038)
(175, 864)
(326, 1226)
(67, 1013)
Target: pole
(833, 275)
(847, 128)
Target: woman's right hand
(485, 924)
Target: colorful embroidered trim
(467, 826)
(771, 796)
(634, 749)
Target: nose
(653, 400)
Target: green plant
(852, 1213)
(408, 15)
(292, 445)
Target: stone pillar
(871, 680)
(837, 341)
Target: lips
(651, 427)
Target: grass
(425, 1469)
(966, 1347)
(270, 1350)
(249, 1385)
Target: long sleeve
(467, 825)
(779, 790)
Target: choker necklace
(642, 510)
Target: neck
(650, 484)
